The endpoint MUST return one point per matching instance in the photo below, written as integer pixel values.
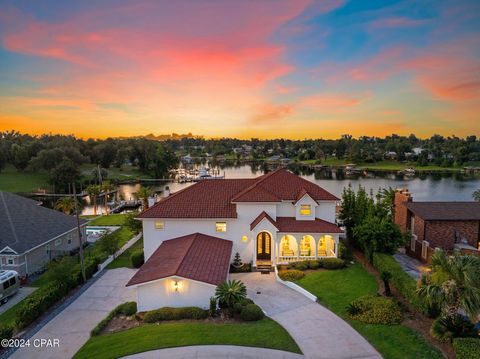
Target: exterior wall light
(244, 238)
(175, 285)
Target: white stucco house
(276, 218)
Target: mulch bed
(121, 322)
(412, 318)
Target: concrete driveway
(73, 325)
(318, 332)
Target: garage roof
(196, 256)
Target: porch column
(336, 246)
(315, 250)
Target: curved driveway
(318, 332)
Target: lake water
(424, 187)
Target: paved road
(73, 325)
(214, 352)
(318, 332)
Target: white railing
(287, 259)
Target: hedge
(466, 348)
(375, 310)
(291, 275)
(169, 313)
(137, 259)
(6, 332)
(128, 309)
(332, 263)
(251, 312)
(405, 284)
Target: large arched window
(288, 246)
(326, 246)
(307, 246)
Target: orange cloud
(270, 113)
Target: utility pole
(82, 262)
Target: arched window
(307, 246)
(288, 246)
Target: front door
(264, 245)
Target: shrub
(344, 252)
(291, 275)
(168, 313)
(375, 310)
(6, 332)
(245, 268)
(400, 279)
(466, 348)
(128, 309)
(238, 307)
(332, 263)
(134, 225)
(212, 311)
(251, 312)
(456, 326)
(137, 258)
(303, 265)
(313, 264)
(230, 292)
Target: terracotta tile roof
(213, 198)
(259, 219)
(300, 195)
(195, 256)
(291, 225)
(283, 185)
(447, 211)
(205, 199)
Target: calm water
(424, 187)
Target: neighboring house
(445, 225)
(276, 218)
(31, 235)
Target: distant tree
(106, 187)
(65, 205)
(3, 159)
(143, 194)
(93, 192)
(20, 157)
(476, 195)
(65, 173)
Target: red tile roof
(283, 185)
(291, 225)
(195, 256)
(205, 199)
(259, 219)
(213, 198)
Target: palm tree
(107, 187)
(143, 194)
(387, 195)
(93, 192)
(454, 284)
(65, 205)
(230, 292)
(476, 195)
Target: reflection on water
(424, 187)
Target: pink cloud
(270, 113)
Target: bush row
(327, 263)
(137, 258)
(6, 332)
(168, 313)
(375, 310)
(405, 284)
(291, 275)
(466, 348)
(128, 309)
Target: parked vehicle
(9, 284)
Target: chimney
(166, 191)
(400, 214)
(151, 201)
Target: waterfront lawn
(125, 173)
(123, 260)
(265, 333)
(13, 181)
(335, 289)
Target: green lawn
(265, 333)
(13, 181)
(337, 288)
(121, 174)
(124, 259)
(110, 220)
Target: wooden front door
(264, 246)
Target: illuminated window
(221, 226)
(159, 225)
(244, 238)
(305, 210)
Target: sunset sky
(243, 69)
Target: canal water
(424, 187)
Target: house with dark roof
(275, 218)
(445, 225)
(32, 235)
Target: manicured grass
(13, 181)
(123, 260)
(110, 220)
(121, 174)
(265, 333)
(337, 288)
